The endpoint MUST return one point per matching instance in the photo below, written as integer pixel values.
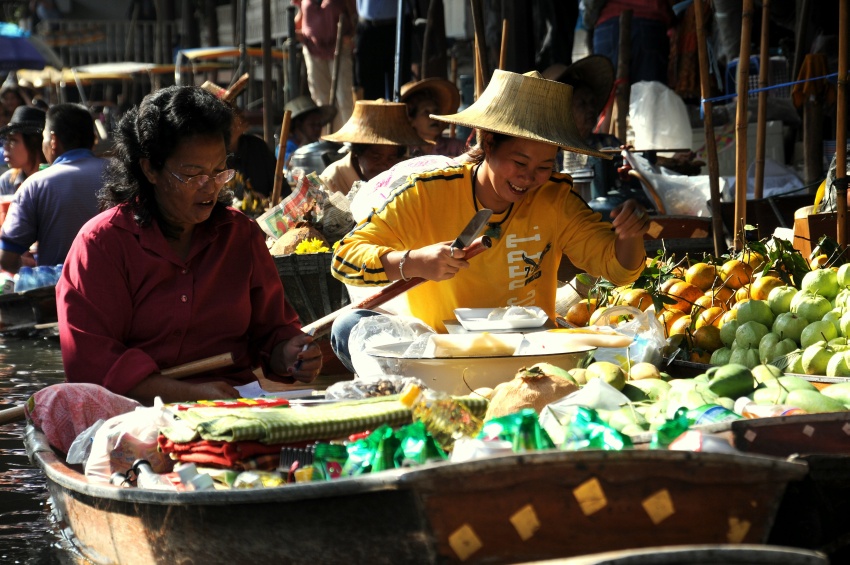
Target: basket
(309, 285)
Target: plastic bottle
(24, 280)
(750, 409)
(444, 418)
(43, 276)
(147, 478)
(712, 414)
(57, 273)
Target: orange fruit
(685, 294)
(707, 338)
(728, 315)
(681, 325)
(697, 356)
(738, 303)
(579, 313)
(752, 258)
(701, 275)
(668, 317)
(636, 297)
(665, 286)
(709, 317)
(724, 294)
(742, 293)
(818, 261)
(702, 303)
(709, 300)
(735, 273)
(761, 287)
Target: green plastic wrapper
(587, 431)
(373, 453)
(670, 430)
(328, 461)
(522, 429)
(416, 446)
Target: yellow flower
(314, 245)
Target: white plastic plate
(475, 319)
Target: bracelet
(401, 265)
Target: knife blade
(473, 229)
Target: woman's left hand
(302, 359)
(630, 220)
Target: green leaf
(585, 279)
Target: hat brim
(446, 93)
(22, 127)
(596, 71)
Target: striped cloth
(286, 425)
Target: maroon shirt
(129, 306)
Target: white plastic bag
(644, 327)
(80, 448)
(659, 117)
(122, 440)
(596, 394)
(381, 330)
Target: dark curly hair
(153, 130)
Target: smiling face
(376, 159)
(181, 204)
(511, 169)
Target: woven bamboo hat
(526, 106)
(444, 92)
(227, 94)
(596, 71)
(377, 122)
(302, 105)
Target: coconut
(287, 243)
(532, 387)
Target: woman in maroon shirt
(168, 273)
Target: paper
(254, 390)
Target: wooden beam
(741, 127)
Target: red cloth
(218, 453)
(63, 411)
(129, 306)
(644, 9)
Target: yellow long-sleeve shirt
(521, 267)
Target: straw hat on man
(426, 97)
(536, 216)
(379, 134)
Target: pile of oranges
(699, 300)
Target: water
(27, 534)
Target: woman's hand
(630, 220)
(436, 262)
(299, 358)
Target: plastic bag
(659, 117)
(122, 440)
(80, 448)
(644, 327)
(367, 387)
(382, 330)
(680, 194)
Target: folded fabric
(287, 425)
(62, 411)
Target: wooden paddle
(183, 371)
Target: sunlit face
(514, 168)
(15, 151)
(183, 204)
(584, 110)
(376, 159)
(427, 128)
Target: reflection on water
(26, 533)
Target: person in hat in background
(316, 27)
(307, 121)
(536, 216)
(52, 205)
(424, 98)
(379, 134)
(249, 156)
(21, 147)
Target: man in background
(52, 205)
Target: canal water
(27, 534)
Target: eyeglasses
(197, 182)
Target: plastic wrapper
(295, 208)
(258, 479)
(80, 448)
(416, 446)
(371, 454)
(586, 430)
(328, 461)
(670, 430)
(467, 449)
(368, 387)
(658, 117)
(646, 331)
(680, 194)
(381, 330)
(522, 429)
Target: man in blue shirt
(52, 205)
(374, 48)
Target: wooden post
(426, 40)
(812, 139)
(478, 25)
(710, 141)
(479, 75)
(335, 69)
(453, 78)
(741, 127)
(801, 42)
(277, 187)
(840, 128)
(761, 124)
(503, 49)
(268, 107)
(624, 56)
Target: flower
(314, 245)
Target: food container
(460, 374)
(480, 319)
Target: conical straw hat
(444, 92)
(376, 122)
(526, 106)
(596, 71)
(304, 104)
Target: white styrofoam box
(725, 136)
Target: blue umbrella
(20, 51)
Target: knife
(473, 229)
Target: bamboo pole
(281, 157)
(761, 124)
(427, 40)
(268, 113)
(453, 78)
(478, 25)
(840, 128)
(624, 56)
(503, 49)
(741, 127)
(479, 75)
(335, 69)
(710, 141)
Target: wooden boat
(514, 508)
(24, 312)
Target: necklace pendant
(493, 231)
